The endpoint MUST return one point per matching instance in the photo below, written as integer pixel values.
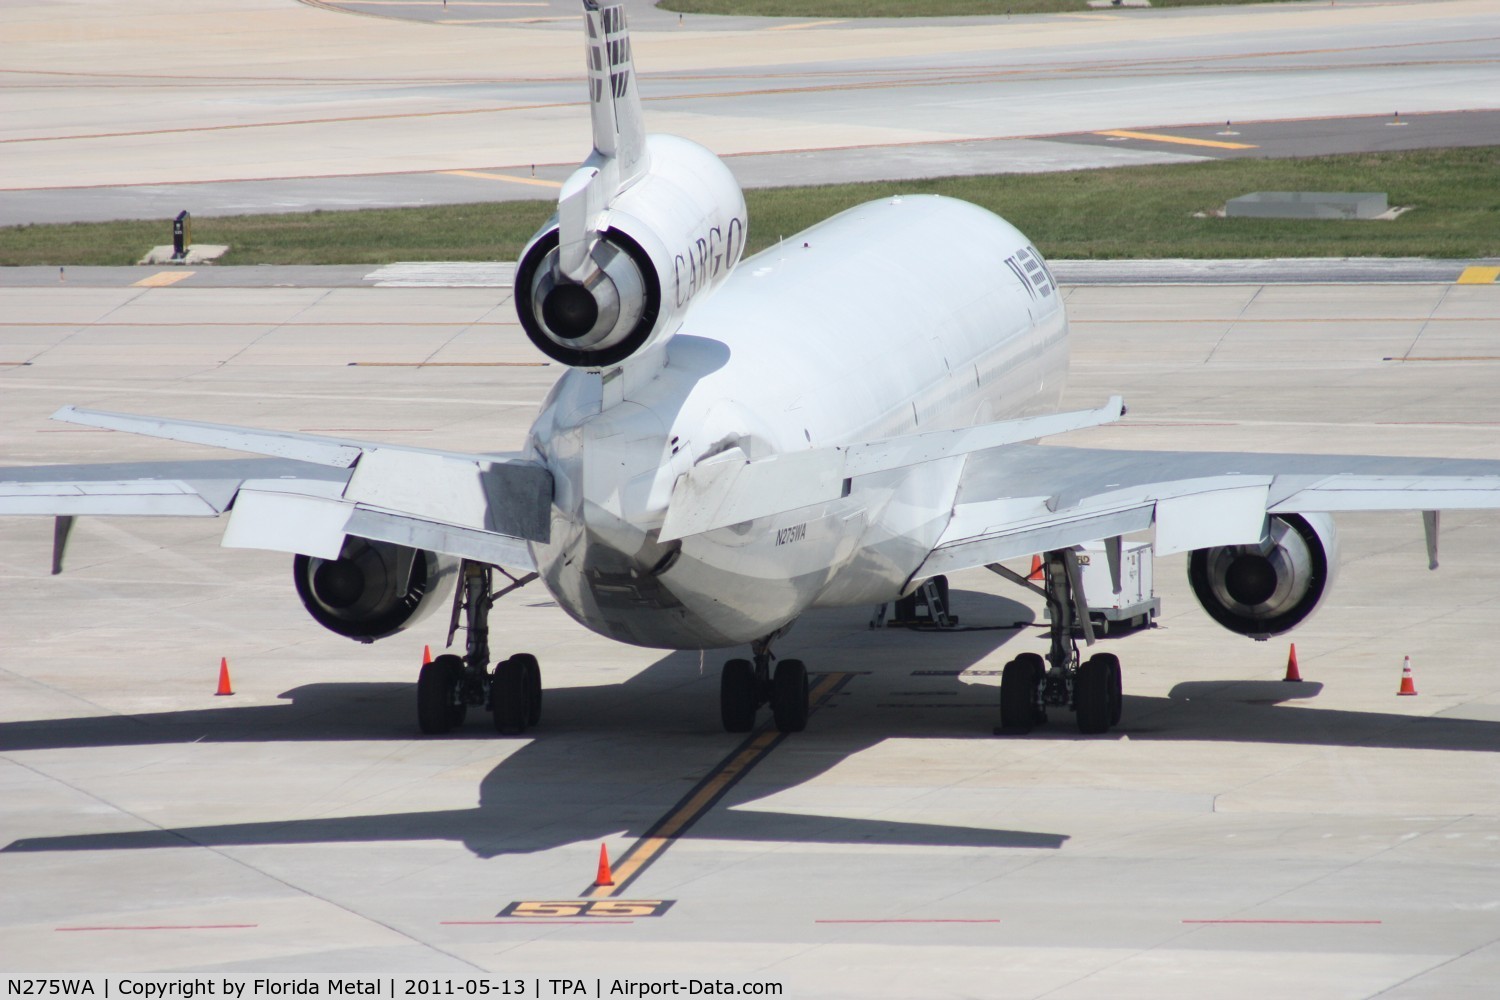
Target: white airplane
(840, 420)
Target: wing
(1018, 500)
(307, 497)
(728, 489)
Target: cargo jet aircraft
(837, 421)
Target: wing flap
(511, 498)
(450, 539)
(302, 518)
(1056, 532)
(1391, 493)
(149, 498)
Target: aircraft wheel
(440, 705)
(1091, 687)
(532, 682)
(1116, 693)
(789, 696)
(508, 701)
(1038, 671)
(1018, 682)
(737, 700)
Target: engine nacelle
(373, 589)
(661, 243)
(1267, 589)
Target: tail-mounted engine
(599, 288)
(1267, 589)
(373, 589)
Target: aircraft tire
(737, 700)
(789, 696)
(1116, 691)
(508, 701)
(1018, 696)
(532, 682)
(1091, 687)
(438, 706)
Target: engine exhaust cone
(570, 311)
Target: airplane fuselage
(794, 351)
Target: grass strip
(1123, 212)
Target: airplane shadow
(612, 750)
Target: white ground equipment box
(1136, 605)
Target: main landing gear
(1029, 685)
(744, 686)
(449, 685)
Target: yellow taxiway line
(1176, 139)
(482, 175)
(162, 279)
(702, 798)
(804, 24)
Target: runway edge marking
(706, 794)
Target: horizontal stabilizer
(716, 494)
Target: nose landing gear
(744, 686)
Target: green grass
(904, 8)
(1120, 212)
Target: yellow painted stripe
(645, 850)
(1479, 276)
(805, 24)
(435, 3)
(482, 175)
(162, 279)
(1176, 139)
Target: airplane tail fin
(644, 227)
(614, 101)
(620, 157)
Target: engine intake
(373, 589)
(1267, 589)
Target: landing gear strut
(1029, 685)
(744, 686)
(450, 684)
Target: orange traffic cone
(224, 686)
(426, 655)
(1036, 568)
(1292, 673)
(1408, 686)
(605, 877)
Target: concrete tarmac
(1240, 835)
(144, 110)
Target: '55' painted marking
(572, 908)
